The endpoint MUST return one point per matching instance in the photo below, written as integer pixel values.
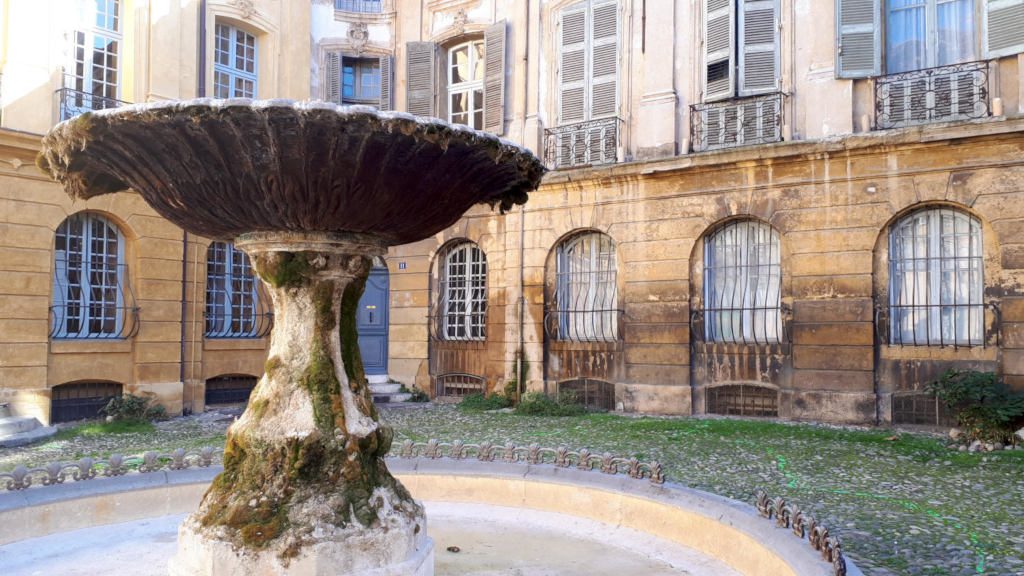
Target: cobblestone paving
(904, 506)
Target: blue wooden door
(372, 322)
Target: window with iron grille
(463, 293)
(459, 385)
(360, 81)
(742, 284)
(921, 408)
(81, 400)
(586, 289)
(590, 393)
(95, 62)
(234, 63)
(742, 400)
(232, 296)
(89, 276)
(936, 279)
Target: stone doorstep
(17, 424)
(391, 398)
(385, 388)
(22, 438)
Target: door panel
(372, 323)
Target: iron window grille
(585, 305)
(364, 6)
(596, 394)
(936, 280)
(466, 84)
(940, 94)
(462, 294)
(234, 63)
(581, 144)
(458, 384)
(737, 122)
(360, 81)
(92, 297)
(95, 62)
(921, 408)
(234, 308)
(231, 389)
(742, 285)
(81, 400)
(742, 400)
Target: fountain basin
(702, 532)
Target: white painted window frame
(471, 86)
(233, 293)
(229, 70)
(464, 293)
(94, 271)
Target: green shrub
(511, 390)
(417, 394)
(129, 407)
(540, 404)
(985, 408)
(479, 402)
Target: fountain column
(304, 488)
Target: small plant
(985, 408)
(510, 391)
(540, 404)
(417, 395)
(129, 407)
(479, 402)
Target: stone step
(385, 388)
(29, 437)
(17, 425)
(391, 398)
(378, 379)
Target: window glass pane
(460, 65)
(954, 24)
(348, 81)
(478, 61)
(906, 36)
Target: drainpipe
(521, 352)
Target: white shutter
(387, 78)
(572, 64)
(494, 78)
(1004, 27)
(420, 73)
(859, 38)
(604, 60)
(759, 47)
(719, 41)
(330, 77)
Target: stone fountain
(312, 192)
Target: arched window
(89, 273)
(462, 288)
(586, 292)
(936, 280)
(232, 299)
(466, 84)
(742, 284)
(234, 63)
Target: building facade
(770, 208)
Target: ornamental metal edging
(939, 94)
(788, 515)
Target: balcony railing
(75, 102)
(737, 122)
(367, 6)
(945, 93)
(581, 144)
(93, 303)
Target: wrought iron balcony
(737, 122)
(365, 6)
(582, 144)
(75, 102)
(941, 94)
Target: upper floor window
(928, 33)
(742, 284)
(89, 296)
(936, 279)
(462, 288)
(466, 84)
(741, 48)
(586, 289)
(234, 63)
(232, 296)
(368, 6)
(588, 41)
(360, 81)
(95, 63)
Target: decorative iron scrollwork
(787, 515)
(581, 144)
(940, 94)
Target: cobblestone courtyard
(902, 503)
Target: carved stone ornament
(244, 6)
(459, 23)
(358, 35)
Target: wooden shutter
(330, 77)
(420, 73)
(1004, 27)
(494, 78)
(719, 41)
(759, 47)
(858, 39)
(604, 60)
(572, 64)
(387, 78)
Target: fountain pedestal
(304, 488)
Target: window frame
(462, 289)
(473, 87)
(754, 319)
(94, 264)
(931, 34)
(232, 302)
(84, 50)
(934, 267)
(359, 64)
(230, 71)
(595, 285)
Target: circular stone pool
(485, 518)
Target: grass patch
(480, 403)
(540, 404)
(96, 429)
